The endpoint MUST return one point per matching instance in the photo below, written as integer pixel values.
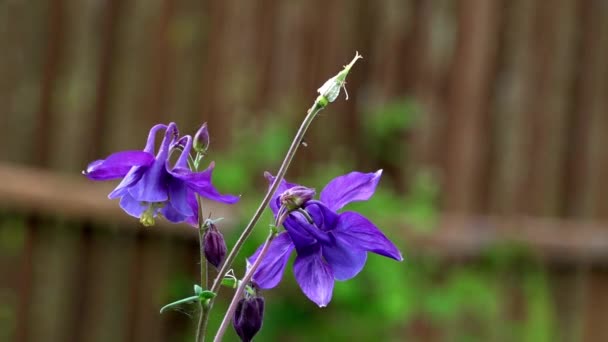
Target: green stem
(247, 278)
(202, 321)
(311, 114)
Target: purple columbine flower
(151, 185)
(333, 247)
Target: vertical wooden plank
(23, 40)
(160, 88)
(74, 92)
(466, 104)
(585, 196)
(435, 49)
(12, 247)
(125, 63)
(587, 117)
(212, 78)
(186, 33)
(150, 286)
(104, 283)
(25, 281)
(594, 325)
(553, 36)
(511, 91)
(53, 260)
(54, 56)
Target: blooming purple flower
(151, 185)
(333, 247)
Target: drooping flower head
(248, 316)
(332, 247)
(151, 185)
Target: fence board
(466, 104)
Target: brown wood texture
(512, 123)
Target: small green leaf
(197, 290)
(230, 282)
(188, 300)
(206, 294)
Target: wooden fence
(512, 97)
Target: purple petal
(303, 234)
(178, 197)
(358, 232)
(323, 217)
(117, 165)
(172, 214)
(315, 277)
(270, 271)
(191, 198)
(182, 161)
(200, 182)
(345, 261)
(132, 177)
(284, 185)
(151, 143)
(152, 187)
(131, 206)
(355, 186)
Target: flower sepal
(330, 90)
(200, 295)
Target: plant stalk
(202, 321)
(299, 137)
(247, 278)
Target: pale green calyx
(330, 90)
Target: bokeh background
(489, 119)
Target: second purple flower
(333, 246)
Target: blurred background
(489, 119)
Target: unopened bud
(201, 139)
(215, 246)
(293, 198)
(248, 317)
(330, 90)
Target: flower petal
(323, 217)
(191, 198)
(131, 206)
(303, 234)
(345, 261)
(132, 177)
(151, 143)
(359, 232)
(178, 196)
(152, 187)
(117, 165)
(172, 214)
(270, 271)
(315, 277)
(284, 185)
(201, 183)
(354, 186)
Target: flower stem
(311, 114)
(202, 321)
(247, 278)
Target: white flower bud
(330, 90)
